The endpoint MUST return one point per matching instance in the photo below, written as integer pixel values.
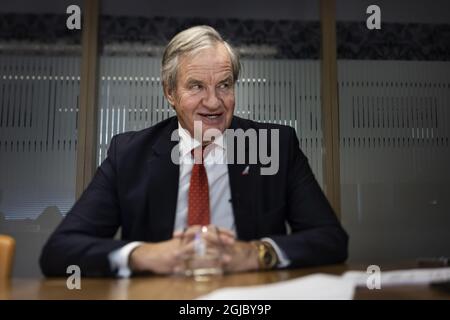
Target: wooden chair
(7, 247)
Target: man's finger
(177, 234)
(226, 232)
(227, 240)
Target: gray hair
(188, 42)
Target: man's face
(205, 90)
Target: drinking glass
(203, 259)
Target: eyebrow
(227, 79)
(190, 81)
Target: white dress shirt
(219, 196)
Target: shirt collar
(187, 142)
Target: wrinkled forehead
(211, 60)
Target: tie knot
(198, 154)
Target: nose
(211, 100)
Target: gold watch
(267, 256)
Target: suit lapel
(242, 184)
(163, 175)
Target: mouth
(210, 116)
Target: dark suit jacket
(136, 188)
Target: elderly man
(140, 188)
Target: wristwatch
(267, 256)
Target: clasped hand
(167, 257)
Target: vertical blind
(38, 119)
(395, 156)
(394, 116)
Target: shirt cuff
(283, 259)
(118, 259)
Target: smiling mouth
(210, 116)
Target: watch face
(267, 258)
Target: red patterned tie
(198, 210)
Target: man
(140, 188)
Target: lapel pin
(245, 172)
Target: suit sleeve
(85, 236)
(317, 237)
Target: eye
(224, 85)
(195, 86)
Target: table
(176, 287)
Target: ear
(169, 94)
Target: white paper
(400, 277)
(313, 287)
